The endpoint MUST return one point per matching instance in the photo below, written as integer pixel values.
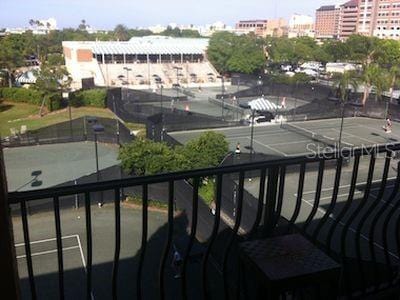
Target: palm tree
(394, 74)
(345, 83)
(381, 82)
(369, 74)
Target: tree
(207, 150)
(11, 57)
(381, 82)
(231, 53)
(145, 157)
(370, 72)
(82, 25)
(248, 57)
(121, 32)
(52, 80)
(189, 33)
(169, 31)
(220, 49)
(344, 83)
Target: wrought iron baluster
(299, 199)
(233, 234)
(117, 211)
(195, 204)
(281, 191)
(168, 244)
(89, 246)
(143, 246)
(393, 210)
(332, 205)
(213, 235)
(375, 220)
(56, 202)
(28, 252)
(317, 198)
(349, 201)
(261, 196)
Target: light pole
(177, 81)
(127, 73)
(162, 112)
(222, 95)
(388, 101)
(259, 83)
(97, 128)
(253, 111)
(65, 95)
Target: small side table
(286, 263)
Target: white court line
(48, 252)
(290, 143)
(375, 129)
(355, 136)
(347, 185)
(46, 240)
(355, 193)
(323, 211)
(81, 251)
(246, 134)
(55, 250)
(266, 146)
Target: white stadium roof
(155, 45)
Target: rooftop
(145, 45)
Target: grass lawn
(207, 192)
(13, 115)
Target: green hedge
(21, 95)
(93, 97)
(31, 96)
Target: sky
(105, 14)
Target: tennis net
(326, 140)
(226, 105)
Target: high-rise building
(348, 18)
(386, 19)
(327, 21)
(366, 17)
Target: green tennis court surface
(302, 138)
(43, 166)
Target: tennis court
(43, 166)
(303, 138)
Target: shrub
(31, 96)
(93, 97)
(21, 95)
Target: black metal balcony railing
(362, 273)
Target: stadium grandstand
(141, 62)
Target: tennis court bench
(280, 265)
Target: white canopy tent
(26, 78)
(262, 104)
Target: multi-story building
(248, 26)
(366, 17)
(301, 25)
(263, 28)
(348, 19)
(380, 18)
(276, 28)
(327, 21)
(387, 19)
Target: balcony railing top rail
(16, 197)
